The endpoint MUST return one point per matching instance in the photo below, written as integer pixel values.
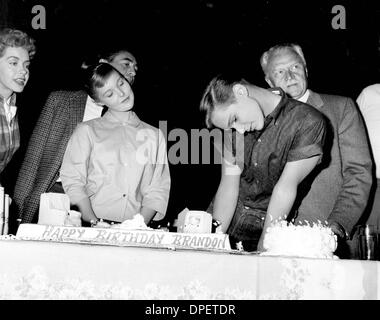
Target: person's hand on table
(100, 224)
(337, 229)
(260, 245)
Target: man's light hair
(267, 55)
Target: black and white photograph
(193, 150)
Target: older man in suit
(339, 189)
(62, 112)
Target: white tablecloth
(46, 270)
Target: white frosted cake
(311, 241)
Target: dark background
(179, 46)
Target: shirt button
(259, 140)
(124, 195)
(255, 164)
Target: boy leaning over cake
(115, 166)
(282, 143)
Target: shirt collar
(11, 100)
(91, 102)
(305, 96)
(276, 112)
(133, 119)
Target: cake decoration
(123, 237)
(193, 221)
(309, 240)
(136, 223)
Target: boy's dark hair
(219, 93)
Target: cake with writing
(132, 232)
(310, 241)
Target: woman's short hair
(219, 93)
(16, 38)
(95, 76)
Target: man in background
(339, 189)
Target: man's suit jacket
(343, 181)
(40, 168)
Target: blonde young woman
(16, 51)
(115, 166)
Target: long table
(47, 270)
